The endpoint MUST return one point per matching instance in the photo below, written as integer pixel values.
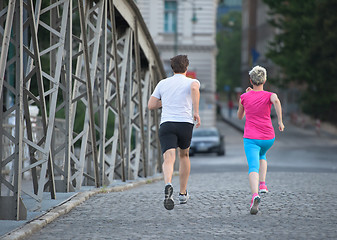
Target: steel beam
(88, 68)
(5, 42)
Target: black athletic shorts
(175, 134)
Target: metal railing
(95, 71)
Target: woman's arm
(241, 111)
(278, 108)
(154, 103)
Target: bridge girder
(90, 82)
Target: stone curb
(38, 223)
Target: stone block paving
(298, 206)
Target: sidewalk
(232, 118)
(302, 122)
(64, 202)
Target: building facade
(226, 6)
(187, 27)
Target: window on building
(170, 14)
(232, 3)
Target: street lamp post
(194, 20)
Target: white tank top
(175, 95)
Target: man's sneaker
(254, 206)
(168, 201)
(183, 198)
(263, 188)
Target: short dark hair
(179, 63)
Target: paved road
(298, 206)
(301, 203)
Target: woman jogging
(259, 133)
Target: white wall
(197, 40)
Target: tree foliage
(306, 51)
(229, 51)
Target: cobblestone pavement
(298, 206)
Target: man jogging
(176, 95)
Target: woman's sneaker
(168, 201)
(183, 198)
(263, 188)
(254, 206)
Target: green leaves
(306, 51)
(229, 51)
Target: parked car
(207, 140)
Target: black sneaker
(168, 201)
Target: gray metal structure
(88, 66)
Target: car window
(205, 133)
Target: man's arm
(195, 94)
(277, 104)
(154, 103)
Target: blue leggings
(255, 151)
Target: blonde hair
(258, 75)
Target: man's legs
(174, 135)
(184, 169)
(168, 164)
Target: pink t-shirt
(257, 106)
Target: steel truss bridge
(87, 67)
